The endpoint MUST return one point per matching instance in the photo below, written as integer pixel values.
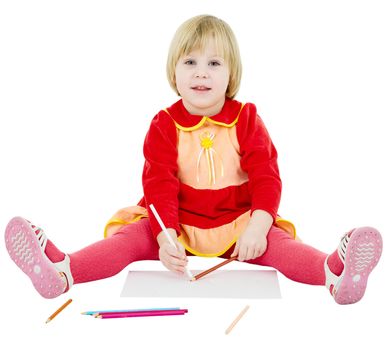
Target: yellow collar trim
(204, 119)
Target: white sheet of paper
(252, 284)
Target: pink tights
(135, 242)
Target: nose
(201, 71)
(201, 74)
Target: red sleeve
(259, 160)
(159, 178)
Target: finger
(257, 253)
(168, 265)
(242, 253)
(177, 262)
(236, 250)
(173, 251)
(261, 252)
(173, 263)
(249, 253)
(175, 268)
(178, 269)
(182, 252)
(169, 259)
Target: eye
(189, 62)
(214, 63)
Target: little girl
(211, 172)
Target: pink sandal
(26, 244)
(359, 250)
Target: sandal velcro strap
(63, 267)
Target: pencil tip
(192, 279)
(48, 320)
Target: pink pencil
(142, 313)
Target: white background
(79, 84)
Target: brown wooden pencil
(213, 268)
(232, 325)
(59, 310)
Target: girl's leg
(52, 272)
(109, 256)
(344, 272)
(296, 260)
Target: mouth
(200, 88)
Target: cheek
(181, 80)
(227, 81)
(179, 86)
(224, 81)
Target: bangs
(198, 38)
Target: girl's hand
(250, 245)
(173, 259)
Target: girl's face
(202, 78)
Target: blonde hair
(194, 34)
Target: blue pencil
(132, 310)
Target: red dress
(205, 175)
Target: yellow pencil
(229, 329)
(59, 310)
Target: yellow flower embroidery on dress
(206, 142)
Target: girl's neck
(205, 111)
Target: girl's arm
(261, 221)
(159, 178)
(259, 161)
(161, 188)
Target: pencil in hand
(170, 240)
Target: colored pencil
(213, 268)
(59, 310)
(126, 310)
(170, 240)
(232, 325)
(142, 314)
